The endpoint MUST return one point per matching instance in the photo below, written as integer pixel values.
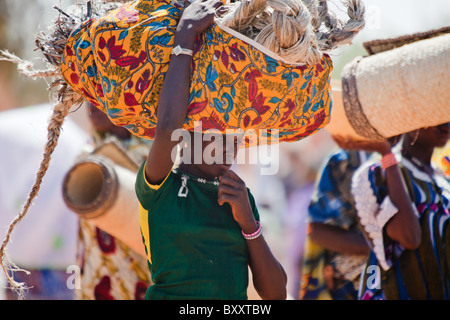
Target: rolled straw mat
(395, 91)
(100, 189)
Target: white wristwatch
(179, 50)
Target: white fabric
(373, 217)
(47, 237)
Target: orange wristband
(388, 160)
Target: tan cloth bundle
(394, 91)
(100, 190)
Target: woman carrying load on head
(261, 65)
(403, 205)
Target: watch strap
(179, 50)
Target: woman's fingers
(199, 15)
(229, 181)
(223, 198)
(234, 176)
(216, 3)
(226, 189)
(367, 145)
(221, 10)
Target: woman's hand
(383, 147)
(198, 16)
(233, 191)
(269, 277)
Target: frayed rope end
(20, 288)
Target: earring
(416, 136)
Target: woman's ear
(413, 136)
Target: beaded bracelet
(388, 160)
(253, 235)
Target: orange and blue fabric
(441, 159)
(118, 62)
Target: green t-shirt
(195, 247)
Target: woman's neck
(417, 153)
(193, 170)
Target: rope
(66, 98)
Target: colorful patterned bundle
(118, 63)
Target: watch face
(177, 50)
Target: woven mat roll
(380, 45)
(100, 191)
(399, 90)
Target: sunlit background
(283, 197)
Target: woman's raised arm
(173, 101)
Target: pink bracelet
(253, 235)
(388, 160)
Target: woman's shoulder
(148, 193)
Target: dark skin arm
(339, 240)
(404, 226)
(172, 107)
(269, 277)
